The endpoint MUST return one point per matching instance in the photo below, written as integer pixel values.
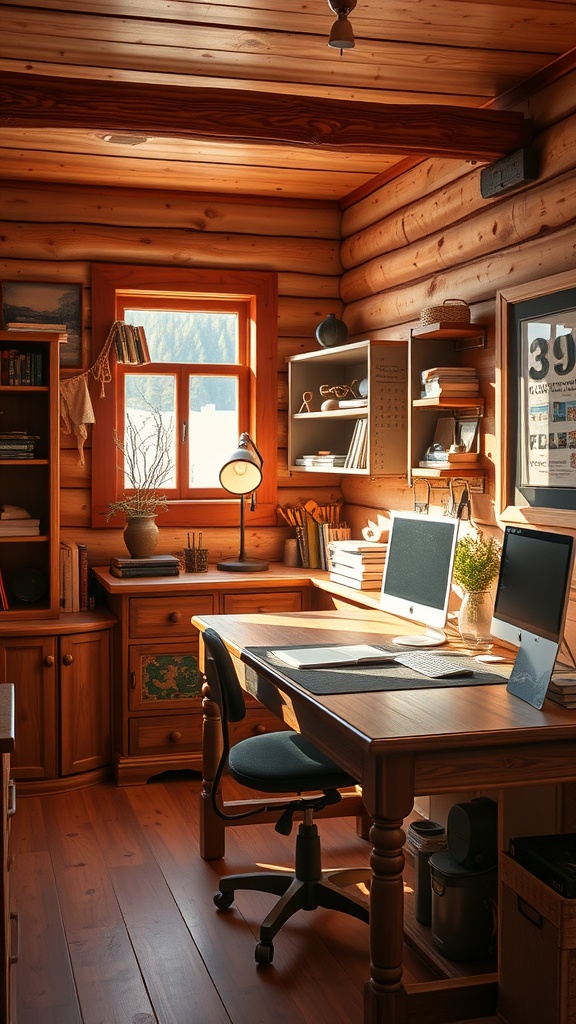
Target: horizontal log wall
(424, 236)
(54, 233)
(428, 235)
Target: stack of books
(18, 444)
(357, 563)
(321, 460)
(451, 382)
(562, 689)
(155, 565)
(27, 527)
(130, 344)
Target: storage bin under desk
(537, 950)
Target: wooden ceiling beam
(36, 101)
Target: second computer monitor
(418, 573)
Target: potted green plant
(476, 566)
(147, 465)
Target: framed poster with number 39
(536, 401)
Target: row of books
(314, 540)
(21, 368)
(130, 344)
(450, 381)
(154, 565)
(74, 582)
(357, 455)
(18, 444)
(357, 563)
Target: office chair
(280, 762)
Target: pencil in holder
(196, 559)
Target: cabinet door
(84, 701)
(165, 676)
(30, 663)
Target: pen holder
(196, 559)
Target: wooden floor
(118, 926)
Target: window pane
(150, 430)
(188, 336)
(213, 427)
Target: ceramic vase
(141, 536)
(331, 332)
(474, 620)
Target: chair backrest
(225, 687)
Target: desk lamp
(242, 474)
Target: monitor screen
(533, 585)
(418, 569)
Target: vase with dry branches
(147, 450)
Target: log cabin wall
(423, 236)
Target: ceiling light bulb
(341, 33)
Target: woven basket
(452, 311)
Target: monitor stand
(431, 638)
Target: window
(212, 342)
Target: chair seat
(284, 762)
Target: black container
(424, 838)
(463, 909)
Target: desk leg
(212, 828)
(385, 1000)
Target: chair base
(307, 888)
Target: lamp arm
(245, 441)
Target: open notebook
(322, 657)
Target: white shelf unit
(383, 365)
(438, 345)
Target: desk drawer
(167, 616)
(166, 734)
(266, 601)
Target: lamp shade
(242, 472)
(341, 34)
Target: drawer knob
(175, 616)
(49, 660)
(259, 729)
(175, 736)
(68, 659)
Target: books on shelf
(450, 381)
(19, 527)
(18, 444)
(31, 326)
(357, 455)
(155, 565)
(21, 368)
(551, 858)
(332, 460)
(130, 344)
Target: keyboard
(435, 666)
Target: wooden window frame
(261, 289)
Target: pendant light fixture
(341, 34)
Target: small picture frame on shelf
(48, 302)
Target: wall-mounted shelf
(439, 345)
(378, 428)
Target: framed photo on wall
(536, 401)
(48, 302)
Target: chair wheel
(264, 954)
(223, 900)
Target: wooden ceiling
(245, 97)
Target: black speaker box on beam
(508, 173)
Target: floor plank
(119, 924)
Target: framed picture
(47, 302)
(536, 401)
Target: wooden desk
(398, 745)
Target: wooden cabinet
(61, 678)
(9, 928)
(157, 684)
(368, 434)
(439, 345)
(30, 468)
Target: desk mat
(371, 678)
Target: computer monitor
(418, 573)
(530, 605)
